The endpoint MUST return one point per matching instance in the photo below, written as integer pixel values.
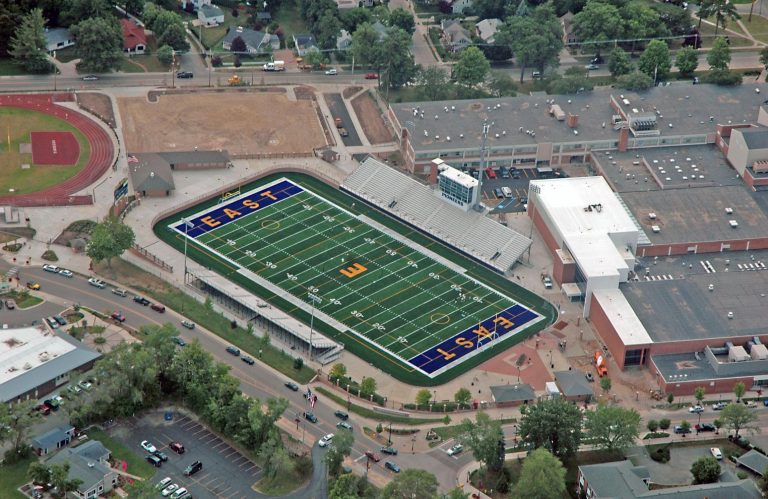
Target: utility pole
(315, 301)
(483, 152)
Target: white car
(147, 446)
(715, 451)
(66, 273)
(179, 493)
(97, 282)
(167, 491)
(456, 449)
(696, 409)
(85, 385)
(163, 483)
(331, 72)
(325, 440)
(50, 268)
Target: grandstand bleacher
(473, 234)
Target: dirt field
(98, 104)
(239, 122)
(369, 116)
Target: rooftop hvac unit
(642, 121)
(738, 354)
(652, 216)
(759, 352)
(655, 228)
(729, 210)
(733, 223)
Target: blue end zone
(466, 342)
(240, 207)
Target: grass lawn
(12, 477)
(25, 300)
(288, 482)
(9, 68)
(758, 27)
(135, 63)
(134, 277)
(211, 36)
(18, 124)
(289, 19)
(376, 416)
(708, 34)
(136, 463)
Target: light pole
(389, 439)
(315, 301)
(187, 223)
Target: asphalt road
(339, 110)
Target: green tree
(276, 460)
(433, 83)
(61, 481)
(486, 439)
(457, 493)
(462, 397)
(739, 389)
(670, 398)
(685, 426)
(653, 425)
(706, 9)
(39, 473)
(28, 45)
(163, 20)
(337, 371)
(553, 424)
(110, 239)
(719, 56)
(542, 476)
(352, 18)
(687, 61)
(718, 424)
(175, 36)
(501, 84)
(764, 57)
(395, 59)
(605, 384)
(341, 448)
(724, 11)
(367, 387)
(16, 421)
(471, 68)
(365, 44)
(612, 427)
(411, 483)
(327, 30)
(738, 417)
(599, 22)
(698, 394)
(402, 19)
(165, 55)
(75, 11)
(655, 60)
(315, 58)
(664, 423)
(98, 44)
(705, 470)
(423, 397)
(345, 487)
(619, 63)
(536, 40)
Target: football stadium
(360, 281)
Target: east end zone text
(493, 329)
(221, 215)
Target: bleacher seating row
(472, 233)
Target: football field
(389, 293)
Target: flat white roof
(593, 222)
(458, 176)
(620, 314)
(22, 350)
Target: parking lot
(226, 473)
(517, 183)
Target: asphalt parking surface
(226, 473)
(339, 110)
(519, 188)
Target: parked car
(180, 494)
(248, 360)
(456, 449)
(751, 404)
(177, 447)
(372, 456)
(53, 403)
(147, 446)
(119, 317)
(154, 461)
(389, 450)
(343, 132)
(292, 386)
(680, 430)
(169, 489)
(371, 76)
(90, 78)
(705, 427)
(719, 406)
(309, 416)
(184, 74)
(344, 425)
(504, 173)
(51, 322)
(331, 72)
(392, 466)
(234, 351)
(740, 441)
(97, 283)
(141, 299)
(119, 292)
(179, 341)
(85, 385)
(158, 308)
(66, 273)
(51, 268)
(188, 324)
(162, 455)
(193, 468)
(74, 389)
(490, 172)
(10, 304)
(163, 483)
(326, 440)
(61, 320)
(44, 409)
(498, 193)
(716, 453)
(33, 285)
(696, 409)
(341, 415)
(591, 67)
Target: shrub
(99, 340)
(653, 425)
(664, 423)
(13, 248)
(661, 454)
(298, 363)
(216, 61)
(741, 474)
(723, 78)
(50, 256)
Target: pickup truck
(343, 132)
(547, 281)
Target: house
(134, 38)
(512, 395)
(196, 4)
(623, 480)
(344, 40)
(455, 36)
(210, 15)
(574, 386)
(346, 4)
(264, 17)
(569, 36)
(150, 175)
(365, 3)
(56, 438)
(486, 29)
(458, 6)
(754, 461)
(256, 42)
(304, 44)
(88, 464)
(58, 38)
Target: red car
(372, 456)
(118, 316)
(490, 173)
(177, 447)
(44, 409)
(371, 76)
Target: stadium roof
(587, 214)
(685, 107)
(30, 357)
(458, 176)
(472, 233)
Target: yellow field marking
(353, 270)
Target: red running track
(102, 152)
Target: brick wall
(607, 332)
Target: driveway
(339, 110)
(678, 470)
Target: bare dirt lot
(98, 104)
(238, 122)
(369, 116)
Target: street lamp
(187, 224)
(315, 301)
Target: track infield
(387, 293)
(54, 148)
